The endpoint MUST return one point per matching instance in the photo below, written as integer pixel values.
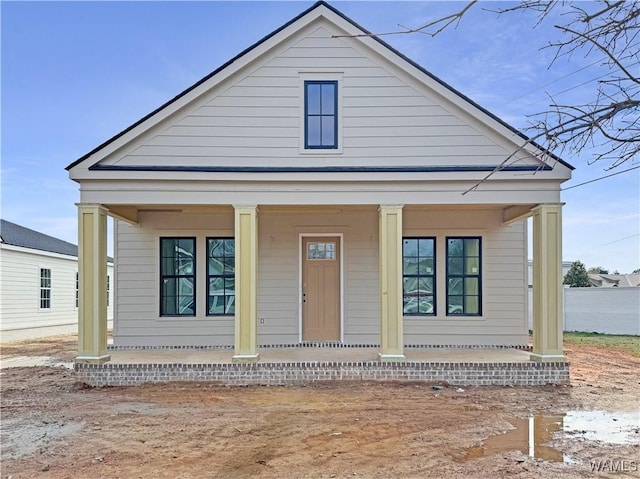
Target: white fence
(600, 310)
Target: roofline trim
(324, 169)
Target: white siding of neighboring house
(504, 277)
(20, 312)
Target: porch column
(246, 289)
(547, 283)
(92, 284)
(391, 335)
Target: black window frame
(45, 288)
(464, 275)
(334, 146)
(224, 276)
(177, 276)
(418, 275)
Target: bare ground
(53, 427)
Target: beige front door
(321, 288)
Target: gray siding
(503, 319)
(504, 277)
(137, 320)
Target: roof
(620, 280)
(16, 235)
(293, 20)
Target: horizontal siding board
(237, 121)
(225, 130)
(271, 91)
(265, 110)
(431, 117)
(375, 93)
(408, 131)
(328, 52)
(231, 102)
(334, 64)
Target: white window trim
(441, 276)
(76, 300)
(40, 308)
(301, 253)
(320, 75)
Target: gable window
(221, 260)
(464, 276)
(45, 288)
(177, 276)
(321, 114)
(418, 276)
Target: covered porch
(390, 345)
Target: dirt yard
(55, 428)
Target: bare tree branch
(609, 120)
(445, 21)
(603, 49)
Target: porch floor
(310, 354)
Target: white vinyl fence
(599, 310)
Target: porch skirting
(525, 373)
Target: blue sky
(76, 73)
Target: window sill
(321, 152)
(444, 319)
(193, 318)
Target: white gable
(250, 114)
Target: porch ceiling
(131, 212)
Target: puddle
(23, 437)
(533, 435)
(529, 436)
(612, 428)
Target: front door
(321, 288)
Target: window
(321, 251)
(321, 114)
(45, 288)
(77, 289)
(108, 288)
(418, 276)
(463, 277)
(177, 276)
(221, 259)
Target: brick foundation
(527, 373)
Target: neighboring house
(566, 266)
(39, 284)
(311, 190)
(614, 280)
